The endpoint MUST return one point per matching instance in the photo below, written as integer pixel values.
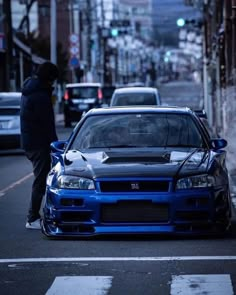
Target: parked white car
(10, 120)
(128, 96)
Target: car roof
(138, 109)
(8, 99)
(71, 85)
(135, 89)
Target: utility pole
(53, 45)
(234, 40)
(10, 77)
(89, 33)
(53, 32)
(103, 43)
(207, 99)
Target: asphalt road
(125, 265)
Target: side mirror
(218, 143)
(58, 146)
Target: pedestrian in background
(37, 132)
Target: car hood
(143, 163)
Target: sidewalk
(59, 117)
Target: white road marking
(12, 185)
(80, 285)
(103, 259)
(234, 201)
(201, 284)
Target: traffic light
(222, 62)
(106, 66)
(114, 32)
(119, 27)
(197, 23)
(180, 22)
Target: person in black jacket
(37, 132)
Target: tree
(41, 47)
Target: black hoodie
(37, 115)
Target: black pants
(41, 162)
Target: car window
(135, 99)
(138, 130)
(83, 92)
(9, 112)
(10, 100)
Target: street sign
(74, 38)
(2, 42)
(74, 62)
(74, 50)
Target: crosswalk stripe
(80, 285)
(103, 259)
(201, 284)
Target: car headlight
(197, 181)
(75, 182)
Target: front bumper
(190, 212)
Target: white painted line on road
(104, 259)
(12, 185)
(234, 202)
(77, 285)
(201, 284)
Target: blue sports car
(138, 170)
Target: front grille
(192, 215)
(134, 211)
(134, 186)
(76, 216)
(71, 202)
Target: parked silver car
(10, 120)
(127, 96)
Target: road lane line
(209, 284)
(104, 259)
(14, 184)
(77, 285)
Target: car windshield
(84, 92)
(137, 130)
(135, 99)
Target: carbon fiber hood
(137, 163)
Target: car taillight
(66, 95)
(100, 94)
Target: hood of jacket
(34, 84)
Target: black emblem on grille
(135, 186)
